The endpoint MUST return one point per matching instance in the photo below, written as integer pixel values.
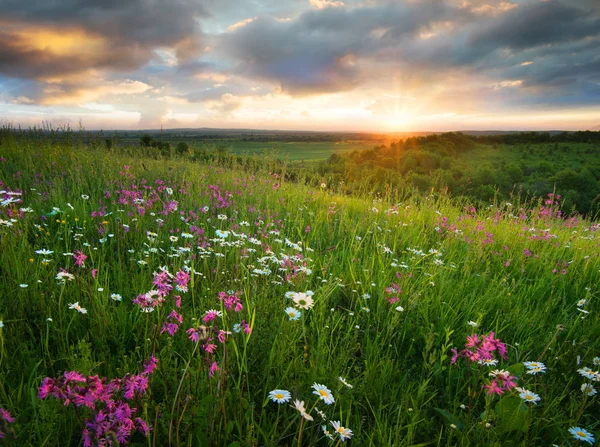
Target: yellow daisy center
(323, 393)
(340, 429)
(582, 434)
(279, 396)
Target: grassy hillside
(483, 168)
(171, 302)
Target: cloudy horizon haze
(328, 65)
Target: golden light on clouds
(364, 65)
(56, 95)
(60, 41)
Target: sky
(330, 65)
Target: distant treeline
(485, 168)
(541, 137)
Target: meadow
(159, 302)
(295, 150)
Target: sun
(398, 121)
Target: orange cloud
(58, 95)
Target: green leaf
(516, 370)
(451, 418)
(513, 414)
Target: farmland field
(297, 151)
(156, 302)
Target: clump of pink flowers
(480, 349)
(5, 419)
(172, 323)
(111, 417)
(231, 300)
(393, 293)
(80, 258)
(501, 381)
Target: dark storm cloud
(147, 22)
(316, 52)
(130, 30)
(536, 24)
(22, 61)
(334, 49)
(548, 48)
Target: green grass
(517, 272)
(297, 151)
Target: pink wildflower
(79, 257)
(213, 369)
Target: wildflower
(531, 365)
(199, 333)
(326, 432)
(400, 309)
(477, 349)
(588, 389)
(324, 393)
(78, 308)
(345, 433)
(528, 396)
(596, 361)
(5, 419)
(303, 301)
(587, 373)
(23, 286)
(581, 434)
(537, 369)
(323, 415)
(293, 313)
(341, 379)
(473, 324)
(299, 405)
(1, 324)
(213, 369)
(44, 251)
(63, 277)
(115, 297)
(211, 314)
(488, 362)
(502, 381)
(79, 257)
(581, 303)
(280, 396)
(172, 323)
(150, 365)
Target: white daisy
(280, 396)
(581, 434)
(345, 433)
(324, 393)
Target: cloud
(240, 24)
(56, 42)
(311, 53)
(80, 94)
(322, 4)
(227, 104)
(536, 24)
(213, 58)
